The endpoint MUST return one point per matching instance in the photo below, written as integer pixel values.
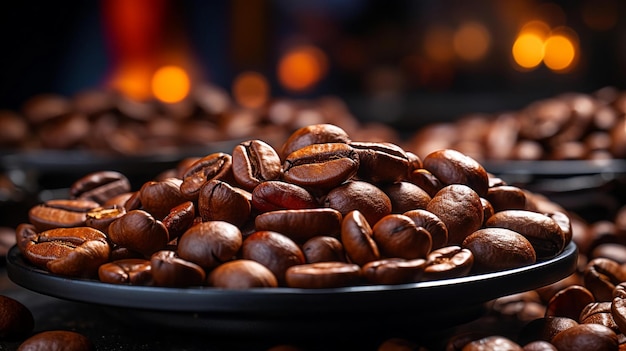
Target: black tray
(425, 305)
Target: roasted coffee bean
(397, 236)
(133, 202)
(209, 244)
(618, 306)
(506, 197)
(453, 167)
(62, 340)
(381, 162)
(133, 271)
(365, 197)
(394, 271)
(488, 210)
(460, 208)
(356, 236)
(139, 231)
(100, 186)
(255, 161)
(321, 166)
(60, 213)
(323, 249)
(159, 197)
(543, 232)
(17, 320)
(323, 275)
(569, 302)
(448, 262)
(497, 249)
(564, 222)
(313, 134)
(242, 274)
(492, 343)
(219, 201)
(586, 337)
(545, 328)
(273, 250)
(169, 270)
(279, 195)
(179, 219)
(540, 345)
(25, 235)
(612, 251)
(524, 307)
(426, 181)
(301, 225)
(435, 226)
(415, 162)
(601, 276)
(599, 313)
(76, 252)
(216, 166)
(101, 217)
(406, 196)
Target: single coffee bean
(539, 345)
(219, 201)
(323, 249)
(279, 195)
(601, 276)
(64, 340)
(60, 213)
(599, 313)
(321, 166)
(273, 250)
(159, 197)
(242, 274)
(394, 271)
(75, 252)
(448, 262)
(381, 162)
(397, 236)
(169, 270)
(301, 225)
(586, 337)
(101, 217)
(216, 166)
(365, 197)
(545, 328)
(453, 167)
(506, 197)
(497, 249)
(460, 208)
(313, 134)
(25, 235)
(179, 219)
(100, 186)
(17, 320)
(356, 236)
(435, 226)
(492, 343)
(618, 306)
(133, 271)
(406, 196)
(543, 232)
(569, 302)
(323, 275)
(564, 222)
(426, 181)
(209, 244)
(139, 231)
(255, 161)
(488, 210)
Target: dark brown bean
(381, 162)
(497, 249)
(241, 274)
(426, 181)
(365, 197)
(255, 161)
(133, 271)
(601, 276)
(586, 337)
(460, 208)
(17, 320)
(60, 213)
(435, 226)
(599, 313)
(139, 231)
(406, 196)
(394, 271)
(169, 270)
(356, 236)
(216, 166)
(100, 186)
(506, 197)
(323, 275)
(301, 225)
(62, 340)
(323, 249)
(569, 302)
(448, 262)
(279, 195)
(219, 201)
(209, 244)
(273, 250)
(453, 167)
(101, 217)
(492, 343)
(545, 328)
(313, 134)
(159, 197)
(397, 236)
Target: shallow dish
(432, 304)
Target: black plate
(433, 304)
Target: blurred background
(409, 61)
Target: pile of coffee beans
(570, 126)
(321, 211)
(107, 123)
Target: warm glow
(438, 44)
(528, 50)
(302, 67)
(133, 82)
(471, 41)
(251, 89)
(170, 84)
(559, 52)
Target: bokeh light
(251, 89)
(471, 41)
(438, 44)
(559, 52)
(132, 81)
(170, 84)
(302, 67)
(528, 50)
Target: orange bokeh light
(251, 89)
(438, 44)
(471, 41)
(528, 50)
(133, 81)
(560, 52)
(302, 67)
(170, 84)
